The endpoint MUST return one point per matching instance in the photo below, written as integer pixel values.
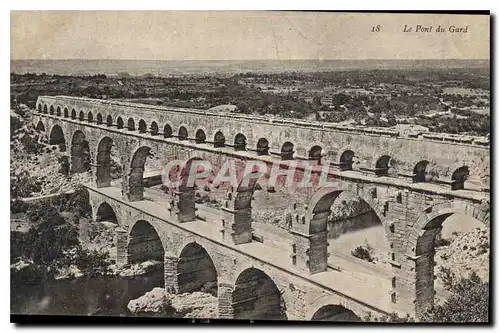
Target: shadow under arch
(256, 296)
(196, 270)
(336, 313)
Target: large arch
(135, 177)
(256, 296)
(196, 270)
(287, 151)
(240, 142)
(144, 243)
(142, 126)
(336, 313)
(459, 177)
(40, 126)
(56, 137)
(219, 140)
(80, 154)
(263, 146)
(421, 245)
(103, 171)
(105, 213)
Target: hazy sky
(201, 35)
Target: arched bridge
(258, 270)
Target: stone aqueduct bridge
(271, 278)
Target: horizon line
(303, 59)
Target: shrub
(362, 253)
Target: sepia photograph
(250, 166)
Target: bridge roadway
(346, 283)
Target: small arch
(219, 140)
(256, 296)
(419, 172)
(58, 111)
(99, 119)
(66, 113)
(183, 133)
(73, 114)
(51, 109)
(335, 313)
(382, 165)
(119, 123)
(131, 124)
(144, 243)
(81, 116)
(459, 177)
(142, 126)
(105, 213)
(154, 128)
(200, 136)
(109, 121)
(45, 109)
(39, 107)
(240, 142)
(346, 160)
(262, 147)
(196, 270)
(90, 117)
(315, 153)
(167, 131)
(287, 151)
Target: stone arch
(219, 140)
(421, 245)
(263, 146)
(131, 124)
(287, 151)
(459, 177)
(99, 119)
(66, 113)
(109, 121)
(154, 128)
(80, 153)
(315, 153)
(256, 296)
(56, 137)
(144, 243)
(90, 117)
(183, 133)
(40, 126)
(51, 110)
(81, 116)
(103, 170)
(240, 142)
(382, 165)
(420, 171)
(119, 123)
(45, 108)
(167, 131)
(105, 213)
(58, 111)
(73, 114)
(135, 181)
(200, 136)
(346, 160)
(335, 312)
(39, 107)
(142, 126)
(196, 270)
